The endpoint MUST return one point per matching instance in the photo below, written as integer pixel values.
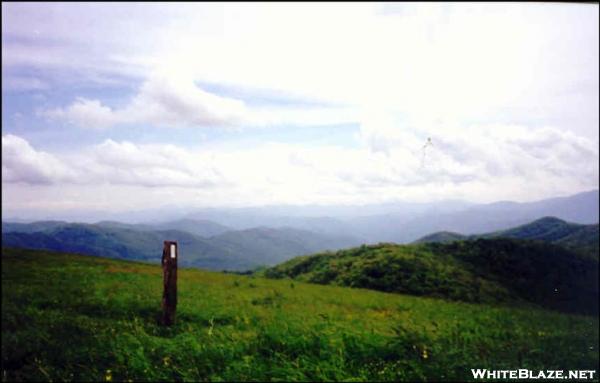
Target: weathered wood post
(169, 265)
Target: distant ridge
(229, 250)
(582, 238)
(200, 227)
(399, 222)
(582, 208)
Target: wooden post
(169, 265)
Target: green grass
(67, 317)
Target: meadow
(70, 318)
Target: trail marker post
(169, 265)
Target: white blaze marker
(172, 250)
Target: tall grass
(67, 317)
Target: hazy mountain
(202, 228)
(8, 227)
(98, 240)
(579, 208)
(276, 245)
(369, 223)
(233, 250)
(405, 222)
(392, 222)
(122, 225)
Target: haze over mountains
(232, 250)
(393, 222)
(240, 239)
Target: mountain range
(404, 222)
(228, 250)
(399, 222)
(241, 239)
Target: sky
(129, 106)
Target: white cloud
(490, 162)
(23, 164)
(466, 61)
(175, 101)
(160, 102)
(150, 165)
(110, 162)
(545, 158)
(507, 63)
(84, 113)
(507, 92)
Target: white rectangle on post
(172, 250)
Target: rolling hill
(112, 242)
(78, 318)
(232, 250)
(483, 270)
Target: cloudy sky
(130, 106)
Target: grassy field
(68, 317)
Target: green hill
(485, 270)
(124, 243)
(582, 238)
(77, 318)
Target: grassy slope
(67, 317)
(490, 270)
